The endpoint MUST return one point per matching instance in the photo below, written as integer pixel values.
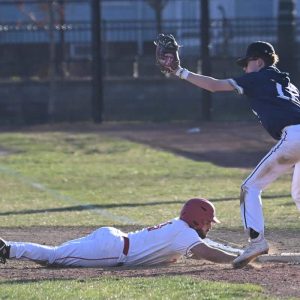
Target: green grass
(88, 179)
(160, 288)
(120, 179)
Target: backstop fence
(30, 29)
(43, 41)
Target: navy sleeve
(246, 84)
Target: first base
(283, 257)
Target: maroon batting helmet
(196, 212)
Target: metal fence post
(52, 62)
(97, 74)
(205, 55)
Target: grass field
(130, 288)
(91, 179)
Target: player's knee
(242, 194)
(296, 198)
(246, 187)
(249, 190)
(251, 185)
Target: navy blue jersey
(273, 98)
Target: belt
(126, 245)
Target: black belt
(126, 245)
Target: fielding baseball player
(275, 102)
(110, 247)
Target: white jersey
(105, 247)
(164, 243)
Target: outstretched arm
(205, 82)
(203, 251)
(167, 59)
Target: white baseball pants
(282, 157)
(102, 248)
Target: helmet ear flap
(196, 225)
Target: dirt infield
(239, 145)
(278, 279)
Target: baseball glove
(166, 53)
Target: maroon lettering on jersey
(158, 226)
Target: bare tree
(205, 55)
(225, 31)
(53, 15)
(49, 14)
(158, 7)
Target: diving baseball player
(110, 247)
(275, 102)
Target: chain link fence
(28, 30)
(47, 51)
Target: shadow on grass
(119, 205)
(225, 144)
(232, 159)
(233, 144)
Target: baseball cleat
(256, 247)
(4, 251)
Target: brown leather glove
(167, 57)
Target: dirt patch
(279, 279)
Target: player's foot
(4, 251)
(256, 247)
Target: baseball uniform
(275, 102)
(108, 246)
